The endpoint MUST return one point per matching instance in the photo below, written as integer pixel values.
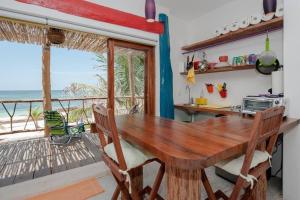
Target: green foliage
(77, 114)
(121, 72)
(37, 114)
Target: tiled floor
(274, 185)
(99, 170)
(29, 159)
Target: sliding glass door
(131, 77)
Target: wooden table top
(195, 108)
(190, 145)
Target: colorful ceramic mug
(252, 58)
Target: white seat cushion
(234, 166)
(133, 156)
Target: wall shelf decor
(261, 28)
(224, 69)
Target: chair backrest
(106, 126)
(264, 132)
(55, 122)
(53, 118)
(263, 137)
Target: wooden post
(183, 184)
(110, 74)
(131, 76)
(46, 81)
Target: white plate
(255, 19)
(225, 30)
(234, 26)
(218, 32)
(244, 23)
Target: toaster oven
(251, 105)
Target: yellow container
(201, 101)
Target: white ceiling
(189, 9)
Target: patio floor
(29, 159)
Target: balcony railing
(27, 115)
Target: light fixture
(270, 6)
(56, 36)
(150, 11)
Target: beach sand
(19, 125)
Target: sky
(21, 67)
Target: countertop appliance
(252, 104)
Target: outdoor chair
(122, 157)
(251, 167)
(60, 131)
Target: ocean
(22, 108)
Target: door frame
(149, 90)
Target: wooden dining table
(186, 148)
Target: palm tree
(122, 82)
(36, 114)
(121, 71)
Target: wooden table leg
(183, 184)
(136, 183)
(260, 190)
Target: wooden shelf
(263, 27)
(224, 69)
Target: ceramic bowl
(222, 64)
(268, 17)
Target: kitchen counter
(194, 108)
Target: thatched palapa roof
(32, 33)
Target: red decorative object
(210, 88)
(223, 58)
(196, 65)
(97, 12)
(223, 93)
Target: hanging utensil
(204, 64)
(267, 61)
(190, 64)
(267, 57)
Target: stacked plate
(248, 21)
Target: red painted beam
(97, 12)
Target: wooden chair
(251, 167)
(122, 157)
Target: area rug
(78, 191)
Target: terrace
(25, 148)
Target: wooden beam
(98, 12)
(46, 81)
